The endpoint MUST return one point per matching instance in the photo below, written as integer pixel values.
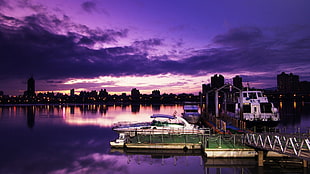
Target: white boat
(257, 110)
(161, 124)
(191, 112)
(120, 142)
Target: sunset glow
(174, 46)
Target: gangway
(294, 145)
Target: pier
(224, 136)
(213, 146)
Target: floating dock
(212, 146)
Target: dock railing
(295, 145)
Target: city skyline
(172, 46)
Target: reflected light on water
(113, 114)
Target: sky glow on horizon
(171, 46)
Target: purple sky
(174, 46)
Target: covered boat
(191, 112)
(161, 124)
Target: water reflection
(30, 116)
(75, 139)
(294, 115)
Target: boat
(191, 112)
(119, 142)
(257, 110)
(160, 124)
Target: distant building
(1, 93)
(155, 93)
(72, 92)
(135, 93)
(217, 81)
(287, 83)
(103, 93)
(30, 87)
(237, 82)
(205, 88)
(304, 87)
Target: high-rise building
(287, 83)
(135, 92)
(237, 82)
(31, 87)
(217, 81)
(155, 93)
(72, 92)
(103, 93)
(205, 88)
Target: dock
(211, 145)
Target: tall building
(30, 87)
(135, 92)
(237, 82)
(155, 93)
(205, 88)
(103, 93)
(217, 81)
(72, 92)
(287, 83)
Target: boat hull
(192, 119)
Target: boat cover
(162, 116)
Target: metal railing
(295, 145)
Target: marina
(221, 135)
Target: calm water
(75, 139)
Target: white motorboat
(161, 124)
(120, 142)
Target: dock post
(216, 99)
(207, 105)
(260, 158)
(305, 163)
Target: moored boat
(161, 124)
(119, 142)
(191, 112)
(257, 110)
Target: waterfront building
(287, 83)
(155, 93)
(30, 87)
(135, 92)
(237, 82)
(103, 93)
(72, 92)
(217, 81)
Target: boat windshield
(252, 95)
(247, 108)
(266, 107)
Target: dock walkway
(211, 145)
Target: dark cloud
(29, 4)
(89, 6)
(35, 46)
(53, 81)
(243, 36)
(146, 44)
